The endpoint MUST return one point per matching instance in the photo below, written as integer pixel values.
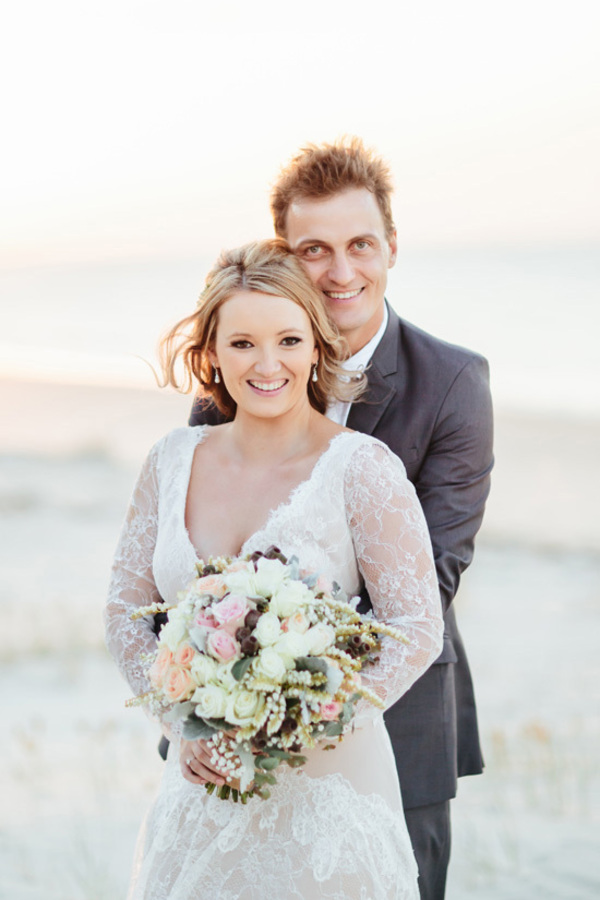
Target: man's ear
(393, 245)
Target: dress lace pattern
(334, 829)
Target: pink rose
(330, 711)
(178, 684)
(159, 667)
(222, 645)
(323, 584)
(185, 655)
(204, 619)
(211, 584)
(231, 609)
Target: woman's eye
(291, 341)
(241, 345)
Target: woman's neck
(271, 441)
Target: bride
(279, 473)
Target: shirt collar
(362, 357)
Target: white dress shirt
(338, 410)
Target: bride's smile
(264, 352)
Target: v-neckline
(276, 510)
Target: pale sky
(136, 128)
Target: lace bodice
(355, 519)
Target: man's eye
(361, 245)
(313, 251)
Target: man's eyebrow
(309, 242)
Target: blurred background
(140, 139)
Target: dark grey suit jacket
(429, 401)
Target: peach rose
(185, 655)
(178, 684)
(330, 711)
(298, 622)
(210, 584)
(159, 667)
(222, 645)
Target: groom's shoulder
(418, 348)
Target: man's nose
(341, 270)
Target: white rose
(270, 574)
(224, 677)
(211, 701)
(270, 665)
(291, 645)
(241, 582)
(289, 597)
(298, 622)
(203, 669)
(268, 629)
(173, 633)
(320, 637)
(242, 706)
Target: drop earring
(217, 376)
(315, 377)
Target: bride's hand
(194, 759)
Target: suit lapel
(366, 413)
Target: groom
(429, 401)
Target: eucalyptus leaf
(195, 729)
(239, 669)
(310, 580)
(311, 664)
(179, 711)
(332, 729)
(218, 724)
(268, 763)
(296, 761)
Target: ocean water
(533, 311)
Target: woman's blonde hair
(267, 267)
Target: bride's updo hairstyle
(267, 267)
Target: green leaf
(195, 729)
(347, 712)
(267, 762)
(179, 711)
(239, 669)
(218, 724)
(296, 761)
(332, 729)
(264, 778)
(278, 754)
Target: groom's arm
(453, 482)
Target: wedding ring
(189, 761)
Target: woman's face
(264, 349)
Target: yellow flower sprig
(142, 611)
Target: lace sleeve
(394, 556)
(132, 582)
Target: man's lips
(268, 386)
(344, 295)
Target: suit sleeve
(454, 480)
(204, 412)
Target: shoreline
(545, 486)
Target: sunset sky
(136, 128)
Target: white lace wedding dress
(334, 828)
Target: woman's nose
(268, 363)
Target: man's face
(341, 243)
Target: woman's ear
(315, 356)
(212, 357)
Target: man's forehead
(350, 214)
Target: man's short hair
(321, 170)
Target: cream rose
(298, 622)
(270, 665)
(288, 597)
(203, 669)
(211, 701)
(242, 581)
(242, 706)
(291, 645)
(268, 629)
(210, 584)
(320, 637)
(173, 632)
(270, 575)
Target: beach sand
(77, 770)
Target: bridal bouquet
(261, 660)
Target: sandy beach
(77, 770)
